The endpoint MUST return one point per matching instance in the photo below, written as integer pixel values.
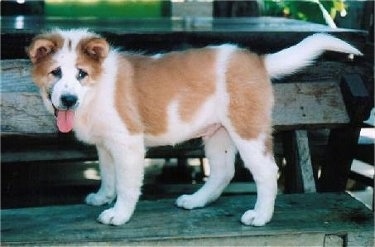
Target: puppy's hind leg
(106, 193)
(220, 152)
(262, 166)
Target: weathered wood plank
(16, 76)
(20, 148)
(299, 220)
(304, 105)
(304, 160)
(298, 105)
(22, 109)
(24, 113)
(299, 176)
(84, 152)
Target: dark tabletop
(261, 34)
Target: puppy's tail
(296, 57)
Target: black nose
(68, 100)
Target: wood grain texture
(24, 112)
(299, 220)
(298, 105)
(299, 176)
(308, 105)
(22, 109)
(304, 160)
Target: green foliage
(322, 12)
(104, 8)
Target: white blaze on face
(68, 84)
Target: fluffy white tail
(303, 54)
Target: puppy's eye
(56, 72)
(81, 74)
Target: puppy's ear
(96, 48)
(40, 48)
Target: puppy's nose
(68, 100)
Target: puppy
(123, 102)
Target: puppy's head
(65, 65)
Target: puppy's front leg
(107, 192)
(128, 160)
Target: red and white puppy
(124, 102)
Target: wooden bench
(314, 99)
(299, 220)
(299, 107)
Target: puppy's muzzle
(69, 101)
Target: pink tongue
(65, 120)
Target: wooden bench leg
(343, 141)
(299, 175)
(338, 160)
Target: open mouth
(64, 119)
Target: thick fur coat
(123, 103)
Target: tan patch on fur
(124, 98)
(44, 64)
(251, 96)
(188, 77)
(91, 52)
(43, 46)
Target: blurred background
(354, 14)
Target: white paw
(98, 199)
(255, 218)
(114, 217)
(189, 202)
